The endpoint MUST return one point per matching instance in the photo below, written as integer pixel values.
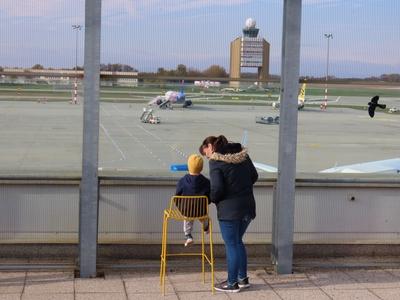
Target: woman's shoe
(228, 288)
(244, 283)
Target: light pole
(328, 36)
(77, 28)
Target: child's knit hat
(195, 164)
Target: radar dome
(250, 23)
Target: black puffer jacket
(232, 176)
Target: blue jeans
(236, 257)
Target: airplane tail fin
(244, 138)
(302, 93)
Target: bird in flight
(373, 104)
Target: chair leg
(211, 257)
(165, 254)
(162, 251)
(202, 252)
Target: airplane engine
(187, 103)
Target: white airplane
(301, 100)
(387, 166)
(170, 98)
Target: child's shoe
(206, 228)
(189, 240)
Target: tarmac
(330, 278)
(48, 136)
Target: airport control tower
(249, 51)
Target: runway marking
(117, 109)
(154, 136)
(113, 142)
(105, 111)
(161, 140)
(148, 150)
(175, 149)
(142, 144)
(113, 160)
(150, 133)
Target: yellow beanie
(195, 164)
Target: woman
(232, 175)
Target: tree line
(183, 71)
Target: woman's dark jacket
(232, 176)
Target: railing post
(283, 206)
(89, 189)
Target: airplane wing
(156, 100)
(319, 100)
(389, 166)
(265, 168)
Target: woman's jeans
(236, 257)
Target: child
(193, 184)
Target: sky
(148, 34)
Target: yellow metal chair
(187, 208)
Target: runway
(48, 136)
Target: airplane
(170, 98)
(301, 100)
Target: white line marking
(155, 136)
(161, 140)
(105, 111)
(141, 143)
(117, 109)
(113, 142)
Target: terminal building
(249, 51)
(64, 77)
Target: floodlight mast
(328, 36)
(77, 28)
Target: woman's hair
(218, 143)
